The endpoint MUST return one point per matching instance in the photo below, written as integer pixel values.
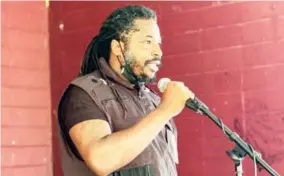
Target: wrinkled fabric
(159, 158)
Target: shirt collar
(110, 73)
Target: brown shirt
(78, 105)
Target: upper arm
(86, 132)
(82, 120)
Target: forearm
(119, 148)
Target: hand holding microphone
(175, 95)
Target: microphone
(195, 104)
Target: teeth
(153, 67)
(157, 62)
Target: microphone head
(162, 84)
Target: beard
(134, 63)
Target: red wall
(25, 90)
(229, 54)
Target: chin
(151, 79)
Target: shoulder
(80, 91)
(77, 104)
(91, 80)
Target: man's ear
(117, 47)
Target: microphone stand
(241, 148)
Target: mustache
(154, 60)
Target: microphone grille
(162, 84)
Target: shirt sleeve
(77, 106)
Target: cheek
(140, 69)
(139, 56)
(147, 71)
(139, 63)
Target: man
(111, 123)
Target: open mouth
(154, 65)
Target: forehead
(144, 28)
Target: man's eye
(148, 41)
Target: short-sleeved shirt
(78, 105)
